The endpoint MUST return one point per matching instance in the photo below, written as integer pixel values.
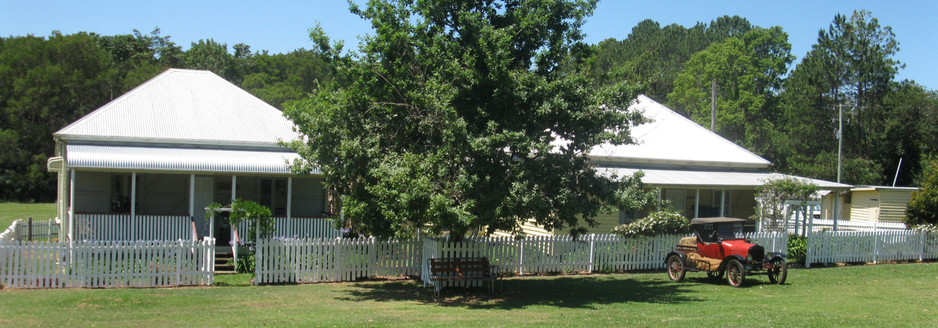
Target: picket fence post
(592, 243)
(521, 260)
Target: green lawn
(10, 212)
(881, 295)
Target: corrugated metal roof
(184, 106)
(179, 159)
(714, 179)
(673, 139)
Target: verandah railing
(122, 227)
(298, 227)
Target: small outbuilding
(879, 203)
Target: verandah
(168, 206)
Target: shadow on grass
(517, 293)
(752, 280)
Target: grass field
(880, 295)
(10, 212)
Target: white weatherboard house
(145, 165)
(699, 172)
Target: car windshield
(730, 230)
(711, 233)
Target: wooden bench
(461, 269)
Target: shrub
(797, 249)
(245, 263)
(656, 223)
(923, 206)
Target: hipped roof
(182, 106)
(672, 139)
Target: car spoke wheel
(676, 268)
(735, 273)
(779, 271)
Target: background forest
(785, 113)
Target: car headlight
(749, 258)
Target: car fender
(680, 254)
(771, 256)
(731, 257)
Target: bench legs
(438, 285)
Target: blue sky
(281, 26)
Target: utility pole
(713, 106)
(840, 138)
(840, 146)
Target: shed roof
(184, 107)
(672, 139)
(875, 188)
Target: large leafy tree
(138, 57)
(281, 78)
(45, 84)
(852, 65)
(458, 117)
(748, 71)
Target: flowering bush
(656, 223)
(930, 228)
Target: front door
(204, 195)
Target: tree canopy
(48, 82)
(458, 116)
(748, 71)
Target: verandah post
(133, 205)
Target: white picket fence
(20, 230)
(122, 227)
(590, 253)
(38, 230)
(287, 260)
(870, 246)
(106, 264)
(9, 234)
